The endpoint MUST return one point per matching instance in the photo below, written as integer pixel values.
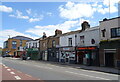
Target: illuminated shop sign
(88, 48)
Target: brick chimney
(58, 32)
(85, 25)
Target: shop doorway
(109, 59)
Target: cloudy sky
(31, 19)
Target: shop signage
(88, 48)
(66, 48)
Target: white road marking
(9, 69)
(28, 75)
(87, 75)
(12, 72)
(43, 67)
(17, 77)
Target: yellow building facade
(12, 45)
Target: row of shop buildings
(93, 46)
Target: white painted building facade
(33, 44)
(85, 38)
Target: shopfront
(44, 55)
(33, 53)
(110, 53)
(87, 55)
(53, 54)
(67, 55)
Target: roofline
(110, 19)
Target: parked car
(6, 55)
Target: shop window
(103, 32)
(70, 41)
(14, 44)
(115, 32)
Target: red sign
(84, 48)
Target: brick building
(14, 45)
(49, 46)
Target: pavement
(52, 71)
(94, 68)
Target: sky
(31, 19)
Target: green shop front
(33, 53)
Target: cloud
(4, 35)
(49, 13)
(34, 19)
(49, 29)
(75, 11)
(4, 8)
(29, 11)
(19, 15)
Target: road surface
(36, 70)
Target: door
(109, 59)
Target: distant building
(110, 42)
(14, 45)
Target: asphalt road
(47, 71)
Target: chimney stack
(85, 25)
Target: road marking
(19, 71)
(28, 75)
(17, 77)
(87, 75)
(9, 69)
(12, 72)
(43, 67)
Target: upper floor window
(115, 32)
(20, 42)
(70, 42)
(53, 43)
(29, 45)
(6, 44)
(103, 32)
(14, 44)
(82, 39)
(43, 44)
